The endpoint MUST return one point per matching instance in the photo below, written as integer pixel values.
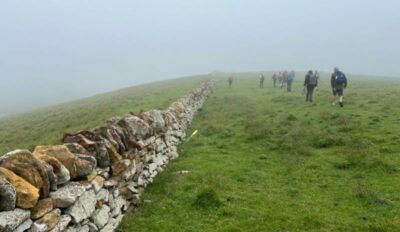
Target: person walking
(290, 79)
(338, 84)
(230, 81)
(284, 78)
(262, 81)
(310, 82)
(274, 78)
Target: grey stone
(10, 220)
(88, 169)
(24, 226)
(102, 195)
(83, 208)
(67, 195)
(100, 216)
(78, 228)
(112, 224)
(8, 196)
(63, 175)
(53, 179)
(116, 203)
(62, 223)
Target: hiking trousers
(310, 91)
(289, 86)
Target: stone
(173, 155)
(47, 222)
(92, 227)
(92, 143)
(25, 165)
(10, 220)
(136, 127)
(67, 195)
(120, 166)
(27, 194)
(42, 207)
(62, 223)
(78, 228)
(102, 195)
(59, 169)
(83, 208)
(76, 148)
(85, 165)
(8, 196)
(112, 224)
(112, 152)
(77, 167)
(92, 176)
(98, 183)
(100, 216)
(155, 119)
(24, 226)
(116, 204)
(110, 183)
(50, 173)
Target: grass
(265, 160)
(47, 126)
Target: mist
(57, 51)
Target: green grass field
(47, 126)
(265, 160)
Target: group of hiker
(282, 79)
(285, 79)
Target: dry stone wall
(93, 177)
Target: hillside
(265, 160)
(47, 126)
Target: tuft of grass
(207, 199)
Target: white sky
(55, 51)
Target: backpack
(340, 79)
(313, 80)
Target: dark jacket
(307, 80)
(333, 80)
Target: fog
(56, 51)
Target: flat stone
(100, 216)
(25, 165)
(102, 195)
(78, 228)
(120, 166)
(27, 194)
(43, 207)
(67, 195)
(84, 207)
(51, 175)
(98, 183)
(10, 220)
(47, 222)
(8, 196)
(62, 223)
(24, 226)
(59, 169)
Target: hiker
(316, 73)
(262, 81)
(230, 81)
(280, 79)
(338, 83)
(284, 78)
(274, 78)
(290, 79)
(310, 83)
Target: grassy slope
(46, 126)
(265, 160)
